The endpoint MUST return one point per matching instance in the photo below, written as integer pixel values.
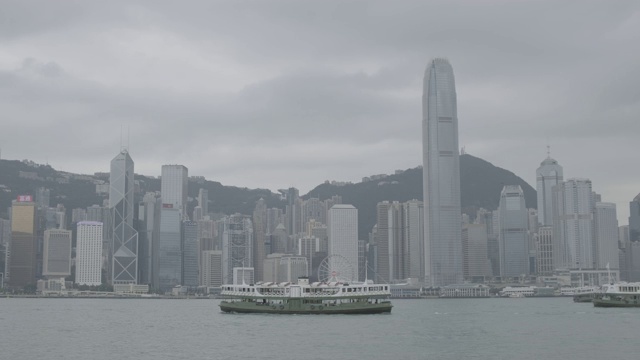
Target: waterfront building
(573, 225)
(89, 253)
(174, 187)
(413, 217)
(544, 251)
(211, 268)
(548, 175)
(464, 291)
(243, 275)
(23, 246)
(148, 211)
(271, 266)
(57, 253)
(292, 267)
(343, 235)
(441, 176)
(237, 245)
(606, 254)
(190, 254)
(513, 237)
(259, 237)
(634, 219)
(124, 249)
(476, 265)
(384, 269)
(167, 252)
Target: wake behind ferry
(306, 298)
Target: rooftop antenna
(128, 132)
(548, 151)
(121, 148)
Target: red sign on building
(25, 198)
(167, 206)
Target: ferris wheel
(336, 268)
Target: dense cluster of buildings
(155, 242)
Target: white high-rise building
(343, 235)
(441, 176)
(89, 253)
(573, 225)
(292, 268)
(56, 260)
(548, 175)
(174, 187)
(606, 236)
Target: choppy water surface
(544, 328)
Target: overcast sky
(274, 94)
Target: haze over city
(282, 94)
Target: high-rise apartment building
(89, 253)
(57, 253)
(441, 176)
(343, 235)
(23, 247)
(548, 175)
(513, 237)
(174, 187)
(124, 251)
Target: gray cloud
(289, 93)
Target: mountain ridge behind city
(480, 183)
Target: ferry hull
(615, 303)
(250, 307)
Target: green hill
(481, 183)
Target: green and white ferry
(621, 294)
(307, 298)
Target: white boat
(518, 291)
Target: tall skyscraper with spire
(441, 176)
(548, 175)
(124, 255)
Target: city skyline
(166, 72)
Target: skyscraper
(203, 201)
(89, 253)
(190, 254)
(573, 225)
(174, 187)
(343, 235)
(548, 175)
(513, 238)
(606, 236)
(57, 253)
(441, 176)
(259, 236)
(23, 247)
(237, 245)
(634, 219)
(124, 252)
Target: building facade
(343, 235)
(174, 187)
(548, 175)
(124, 251)
(89, 253)
(23, 247)
(57, 253)
(441, 176)
(513, 237)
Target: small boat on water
(306, 298)
(621, 294)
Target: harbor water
(530, 328)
